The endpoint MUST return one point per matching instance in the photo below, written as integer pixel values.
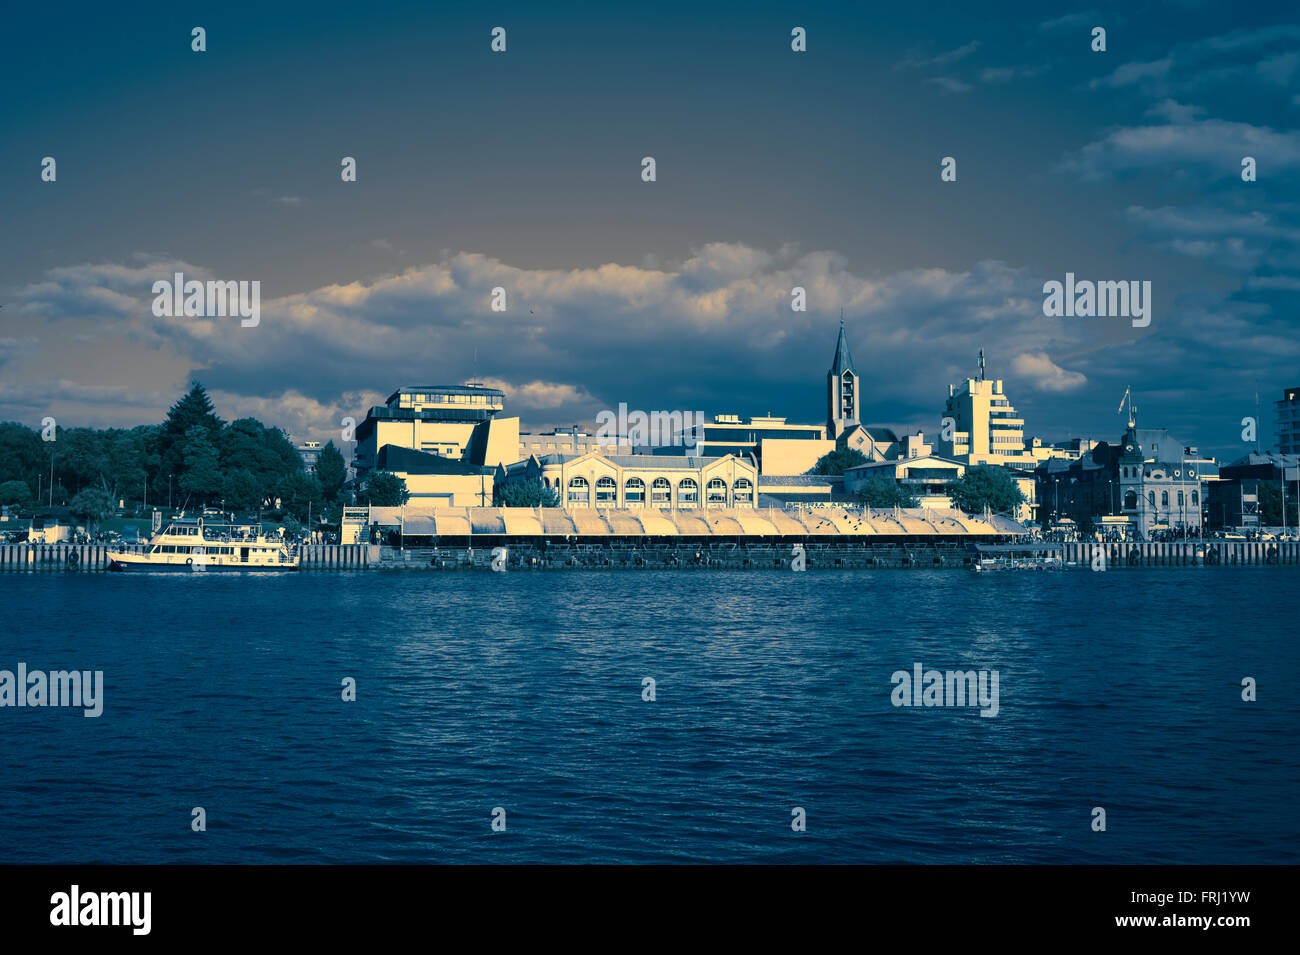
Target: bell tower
(842, 392)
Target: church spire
(843, 357)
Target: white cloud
(1045, 374)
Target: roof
(448, 390)
(881, 434)
(393, 457)
(649, 462)
(843, 357)
(1270, 457)
(715, 522)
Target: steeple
(843, 357)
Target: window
(1164, 498)
(660, 491)
(1151, 498)
(634, 491)
(1130, 501)
(716, 491)
(579, 491)
(1180, 498)
(1196, 498)
(744, 491)
(688, 492)
(606, 490)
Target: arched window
(744, 492)
(661, 491)
(688, 492)
(634, 491)
(579, 491)
(1180, 498)
(716, 491)
(606, 490)
(1164, 498)
(1151, 498)
(1196, 498)
(1130, 501)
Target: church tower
(842, 388)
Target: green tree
(299, 493)
(193, 410)
(881, 491)
(385, 489)
(986, 485)
(529, 493)
(201, 476)
(15, 492)
(23, 454)
(1270, 505)
(331, 471)
(838, 461)
(240, 490)
(93, 504)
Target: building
(309, 451)
(1162, 483)
(1071, 449)
(1287, 417)
(572, 440)
(437, 481)
(926, 478)
(878, 443)
(451, 421)
(641, 480)
(843, 394)
(1234, 500)
(981, 426)
(776, 445)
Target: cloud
(1045, 374)
(1212, 142)
(1071, 21)
(287, 200)
(1172, 111)
(950, 84)
(1237, 56)
(1005, 74)
(942, 59)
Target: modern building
(641, 480)
(926, 478)
(984, 428)
(437, 481)
(309, 451)
(451, 421)
(1287, 417)
(778, 446)
(572, 440)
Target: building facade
(981, 426)
(1287, 419)
(641, 480)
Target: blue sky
(775, 169)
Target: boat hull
(136, 563)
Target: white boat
(996, 557)
(191, 545)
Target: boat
(996, 557)
(191, 544)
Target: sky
(774, 169)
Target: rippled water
(523, 691)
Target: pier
(675, 553)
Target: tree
(986, 485)
(529, 493)
(202, 471)
(240, 490)
(385, 489)
(839, 461)
(298, 493)
(93, 504)
(881, 491)
(15, 492)
(1270, 505)
(23, 454)
(331, 471)
(193, 410)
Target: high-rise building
(984, 427)
(1287, 416)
